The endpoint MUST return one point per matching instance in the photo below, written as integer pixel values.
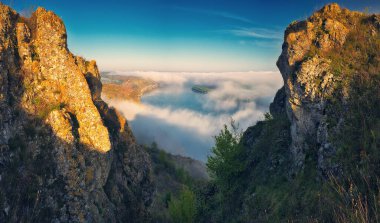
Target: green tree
(183, 209)
(227, 166)
(226, 162)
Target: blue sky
(168, 35)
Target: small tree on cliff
(225, 163)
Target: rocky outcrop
(316, 156)
(65, 155)
(311, 80)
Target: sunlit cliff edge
(327, 62)
(65, 155)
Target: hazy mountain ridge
(172, 174)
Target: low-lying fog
(184, 122)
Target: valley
(157, 139)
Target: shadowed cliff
(65, 155)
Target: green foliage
(226, 162)
(228, 167)
(183, 209)
(163, 163)
(183, 176)
(175, 200)
(250, 177)
(164, 160)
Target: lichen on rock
(59, 162)
(310, 65)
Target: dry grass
(356, 203)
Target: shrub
(183, 209)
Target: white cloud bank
(183, 129)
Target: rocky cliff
(65, 155)
(315, 157)
(322, 59)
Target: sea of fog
(183, 122)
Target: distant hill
(126, 87)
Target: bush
(183, 209)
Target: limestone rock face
(65, 155)
(58, 67)
(309, 81)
